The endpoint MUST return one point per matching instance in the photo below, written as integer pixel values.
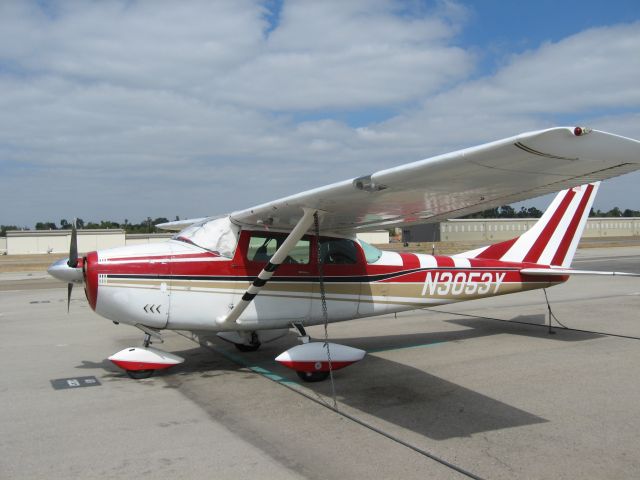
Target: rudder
(554, 238)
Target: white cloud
(582, 74)
(114, 109)
(348, 54)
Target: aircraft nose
(62, 271)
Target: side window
(338, 251)
(261, 249)
(263, 246)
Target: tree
(507, 211)
(630, 213)
(46, 226)
(614, 212)
(109, 224)
(533, 212)
(4, 228)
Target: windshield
(217, 235)
(371, 253)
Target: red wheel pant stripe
(543, 239)
(311, 365)
(127, 365)
(561, 253)
(495, 252)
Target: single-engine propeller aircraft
(252, 275)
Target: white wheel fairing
(139, 358)
(314, 357)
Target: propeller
(73, 259)
(73, 247)
(69, 289)
(67, 270)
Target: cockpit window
(263, 246)
(371, 253)
(217, 235)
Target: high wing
(458, 183)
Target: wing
(458, 183)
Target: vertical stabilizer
(554, 238)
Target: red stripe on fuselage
(410, 260)
(495, 252)
(444, 262)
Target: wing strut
(290, 242)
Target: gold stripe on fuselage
(374, 292)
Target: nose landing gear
(139, 374)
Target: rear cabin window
(338, 251)
(263, 247)
(371, 253)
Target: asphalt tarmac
(477, 389)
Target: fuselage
(178, 285)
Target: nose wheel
(139, 374)
(142, 374)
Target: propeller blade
(73, 247)
(69, 289)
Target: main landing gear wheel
(139, 374)
(252, 346)
(312, 376)
(247, 348)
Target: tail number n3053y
(467, 283)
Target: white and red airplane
(252, 275)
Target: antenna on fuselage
(433, 239)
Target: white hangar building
(24, 242)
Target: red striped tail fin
(554, 238)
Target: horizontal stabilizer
(570, 271)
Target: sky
(117, 110)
